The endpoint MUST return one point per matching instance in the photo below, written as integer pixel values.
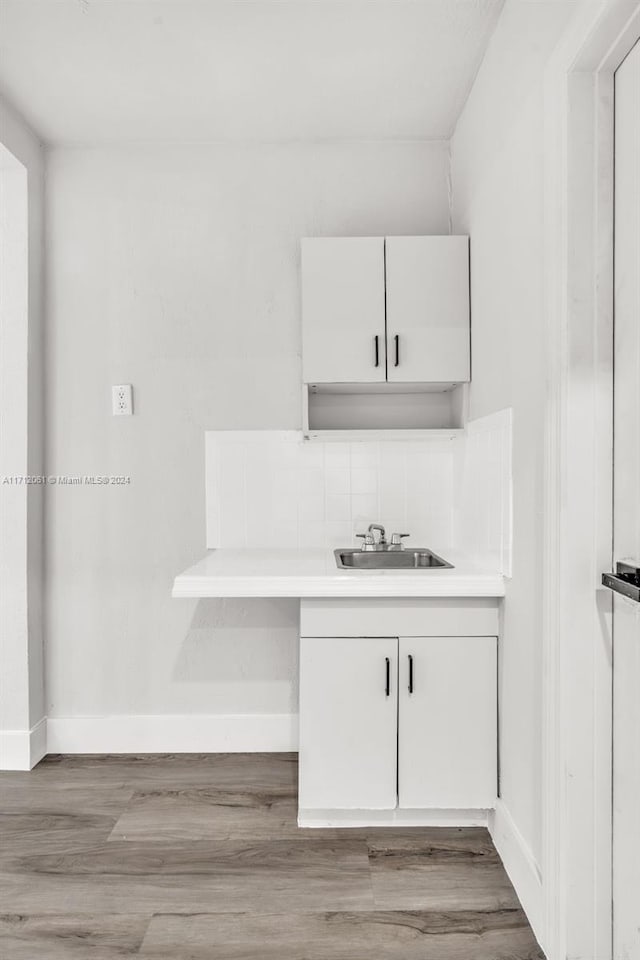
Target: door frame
(577, 674)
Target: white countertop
(313, 573)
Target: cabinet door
(428, 330)
(343, 327)
(348, 722)
(448, 726)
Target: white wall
(176, 269)
(497, 184)
(21, 438)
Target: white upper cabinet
(427, 286)
(343, 325)
(379, 310)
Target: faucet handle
(368, 541)
(396, 539)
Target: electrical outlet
(122, 400)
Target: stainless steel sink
(416, 558)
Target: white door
(348, 723)
(626, 615)
(447, 730)
(343, 312)
(428, 332)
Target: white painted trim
(520, 864)
(38, 742)
(576, 796)
(224, 733)
(23, 749)
(317, 819)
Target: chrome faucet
(369, 541)
(383, 533)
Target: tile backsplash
(271, 488)
(275, 489)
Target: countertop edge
(200, 587)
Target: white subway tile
(269, 487)
(337, 507)
(337, 480)
(311, 533)
(392, 498)
(338, 535)
(337, 455)
(312, 482)
(364, 508)
(364, 480)
(311, 507)
(365, 455)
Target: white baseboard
(392, 818)
(23, 749)
(520, 864)
(225, 733)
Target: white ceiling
(114, 70)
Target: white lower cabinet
(447, 722)
(390, 722)
(348, 722)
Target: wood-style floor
(200, 858)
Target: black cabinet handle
(387, 686)
(375, 341)
(410, 674)
(397, 343)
